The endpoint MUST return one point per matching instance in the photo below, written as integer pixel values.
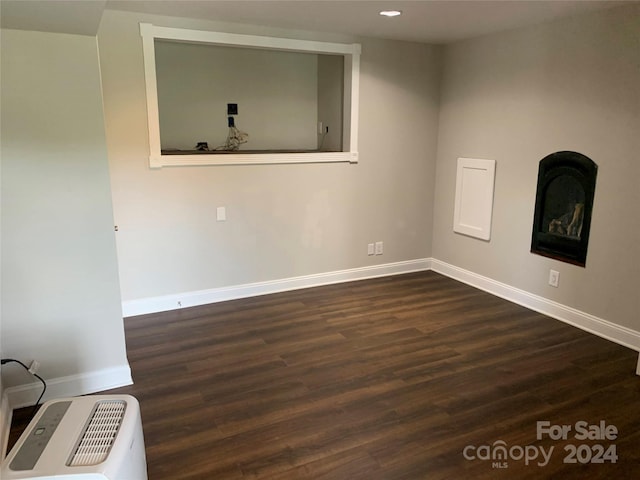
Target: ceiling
(429, 21)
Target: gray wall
(512, 97)
(282, 220)
(330, 98)
(519, 96)
(276, 93)
(60, 292)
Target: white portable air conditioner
(96, 437)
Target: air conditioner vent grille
(99, 434)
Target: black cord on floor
(44, 384)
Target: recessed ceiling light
(390, 13)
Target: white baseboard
(585, 321)
(70, 386)
(203, 297)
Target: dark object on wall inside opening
(202, 146)
(564, 203)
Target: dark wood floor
(381, 379)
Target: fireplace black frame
(582, 171)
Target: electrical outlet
(221, 214)
(554, 278)
(320, 128)
(370, 249)
(379, 248)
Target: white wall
(60, 292)
(518, 96)
(282, 220)
(276, 93)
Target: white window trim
(351, 53)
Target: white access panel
(475, 180)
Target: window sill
(177, 159)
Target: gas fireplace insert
(564, 203)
